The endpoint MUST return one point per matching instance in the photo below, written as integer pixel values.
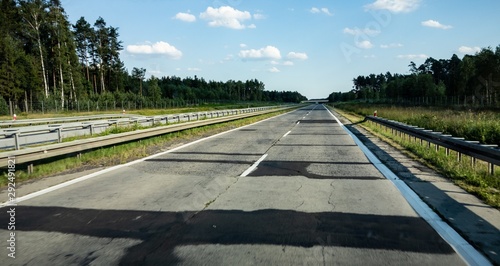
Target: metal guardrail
(58, 120)
(41, 121)
(17, 137)
(30, 155)
(484, 152)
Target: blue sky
(313, 47)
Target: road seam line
(249, 170)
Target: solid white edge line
(249, 170)
(83, 178)
(468, 253)
(286, 134)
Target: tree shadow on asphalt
(162, 232)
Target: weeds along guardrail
(33, 154)
(484, 152)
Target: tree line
(472, 80)
(43, 57)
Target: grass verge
(475, 180)
(119, 154)
(480, 125)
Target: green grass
(479, 125)
(118, 154)
(476, 180)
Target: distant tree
(154, 90)
(33, 15)
(82, 32)
(139, 74)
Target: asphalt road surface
(291, 190)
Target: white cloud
(259, 16)
(295, 55)
(392, 45)
(358, 31)
(158, 48)
(364, 44)
(469, 50)
(268, 52)
(226, 16)
(326, 11)
(242, 45)
(412, 56)
(285, 63)
(252, 26)
(185, 17)
(323, 10)
(372, 56)
(435, 24)
(193, 69)
(274, 70)
(395, 6)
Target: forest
(473, 80)
(44, 59)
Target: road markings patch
(249, 170)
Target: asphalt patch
(299, 168)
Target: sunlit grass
(480, 125)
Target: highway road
(291, 190)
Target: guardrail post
(91, 129)
(59, 135)
(491, 168)
(30, 168)
(16, 141)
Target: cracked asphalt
(314, 199)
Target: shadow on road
(161, 232)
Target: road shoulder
(474, 220)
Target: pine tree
(33, 15)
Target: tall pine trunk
(45, 83)
(62, 85)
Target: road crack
(207, 204)
(330, 197)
